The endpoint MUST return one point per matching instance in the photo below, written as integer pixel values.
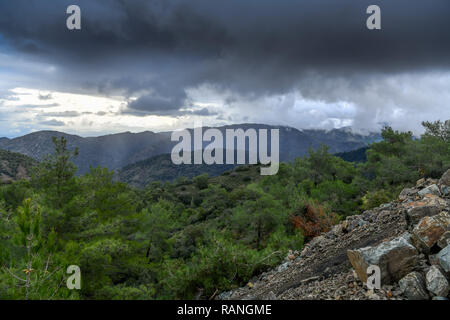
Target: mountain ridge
(118, 150)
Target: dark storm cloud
(155, 50)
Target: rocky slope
(408, 239)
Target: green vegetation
(191, 237)
(161, 168)
(14, 166)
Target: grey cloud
(34, 106)
(52, 123)
(45, 96)
(204, 112)
(64, 114)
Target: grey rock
(270, 296)
(413, 286)
(433, 189)
(283, 267)
(414, 215)
(443, 258)
(440, 298)
(224, 295)
(445, 190)
(406, 193)
(432, 258)
(386, 206)
(436, 282)
(444, 240)
(445, 179)
(395, 259)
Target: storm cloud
(252, 53)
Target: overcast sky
(161, 64)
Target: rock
(406, 193)
(271, 296)
(386, 206)
(413, 286)
(445, 190)
(316, 241)
(420, 182)
(444, 240)
(443, 258)
(395, 259)
(445, 179)
(432, 258)
(352, 222)
(429, 231)
(224, 295)
(337, 229)
(433, 189)
(283, 267)
(414, 214)
(440, 298)
(436, 282)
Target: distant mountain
(14, 166)
(119, 150)
(111, 151)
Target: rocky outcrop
(408, 239)
(429, 230)
(395, 259)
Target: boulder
(433, 189)
(443, 258)
(406, 193)
(445, 190)
(414, 214)
(395, 258)
(429, 230)
(436, 282)
(444, 240)
(420, 182)
(413, 286)
(445, 179)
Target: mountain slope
(403, 237)
(14, 166)
(161, 168)
(118, 150)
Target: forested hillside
(14, 166)
(191, 238)
(161, 168)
